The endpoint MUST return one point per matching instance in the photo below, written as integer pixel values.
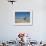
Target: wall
(8, 29)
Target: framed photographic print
(23, 17)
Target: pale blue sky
(22, 14)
